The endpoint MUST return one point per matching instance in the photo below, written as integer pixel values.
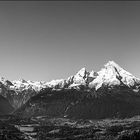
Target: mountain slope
(82, 105)
(5, 107)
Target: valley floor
(44, 128)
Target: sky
(53, 40)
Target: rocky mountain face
(110, 92)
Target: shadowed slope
(5, 107)
(82, 105)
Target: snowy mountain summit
(111, 75)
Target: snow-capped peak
(81, 77)
(116, 67)
(82, 72)
(113, 74)
(112, 63)
(119, 70)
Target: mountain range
(110, 92)
(111, 75)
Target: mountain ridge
(110, 77)
(111, 71)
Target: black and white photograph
(69, 70)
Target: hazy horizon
(53, 40)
